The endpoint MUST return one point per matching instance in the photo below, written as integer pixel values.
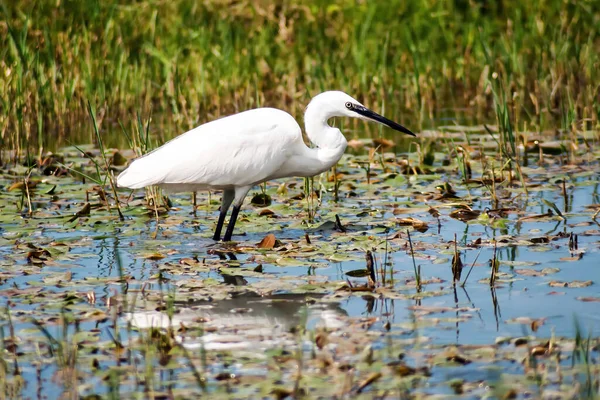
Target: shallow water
(90, 257)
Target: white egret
(235, 153)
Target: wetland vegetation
(459, 263)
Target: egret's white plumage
(234, 153)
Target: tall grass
(195, 61)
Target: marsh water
(77, 281)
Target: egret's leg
(228, 196)
(229, 231)
(240, 195)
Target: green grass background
(424, 63)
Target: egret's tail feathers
(138, 175)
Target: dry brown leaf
(540, 350)
(535, 324)
(383, 142)
(21, 185)
(268, 242)
(355, 144)
(465, 214)
(368, 381)
(266, 212)
(403, 370)
(335, 177)
(321, 339)
(17, 185)
(419, 225)
(589, 299)
(189, 261)
(434, 212)
(575, 258)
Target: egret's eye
(349, 106)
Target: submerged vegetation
(462, 264)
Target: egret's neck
(330, 142)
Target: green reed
(193, 62)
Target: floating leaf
(154, 256)
(526, 320)
(589, 299)
(457, 358)
(325, 226)
(465, 214)
(537, 323)
(574, 258)
(268, 242)
(533, 272)
(261, 200)
(266, 213)
(189, 261)
(572, 284)
(403, 370)
(519, 263)
(538, 240)
(555, 147)
(548, 214)
(358, 273)
(38, 256)
(414, 222)
(540, 350)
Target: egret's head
(339, 104)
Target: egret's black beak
(372, 115)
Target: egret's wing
(239, 150)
